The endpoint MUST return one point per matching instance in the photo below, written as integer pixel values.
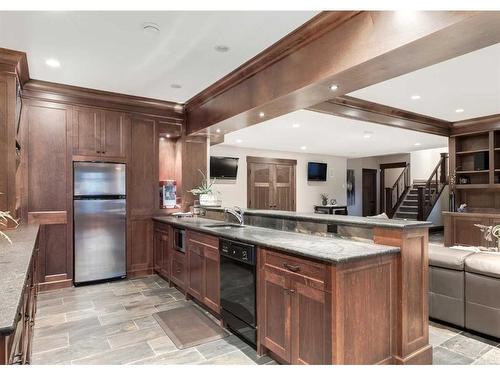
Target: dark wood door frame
(368, 173)
(273, 161)
(383, 167)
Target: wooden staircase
(408, 209)
(416, 201)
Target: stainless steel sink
(223, 225)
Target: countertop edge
(7, 330)
(388, 251)
(337, 219)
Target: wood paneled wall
(56, 129)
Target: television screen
(316, 171)
(223, 168)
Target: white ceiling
(470, 82)
(331, 135)
(110, 51)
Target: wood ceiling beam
(359, 49)
(363, 110)
(474, 125)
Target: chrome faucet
(237, 212)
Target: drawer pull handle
(291, 267)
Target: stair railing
(429, 193)
(395, 195)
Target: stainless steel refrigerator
(99, 203)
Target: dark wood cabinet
(271, 183)
(100, 133)
(48, 197)
(141, 194)
(459, 228)
(161, 250)
(203, 275)
(211, 285)
(308, 325)
(86, 130)
(178, 269)
(293, 313)
(195, 254)
(275, 322)
(115, 127)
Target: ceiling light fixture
(459, 110)
(175, 86)
(303, 147)
(168, 135)
(261, 114)
(296, 126)
(239, 141)
(221, 48)
(217, 130)
(415, 97)
(53, 63)
(150, 28)
(334, 87)
(418, 144)
(367, 135)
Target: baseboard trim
(53, 285)
(421, 357)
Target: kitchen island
(326, 300)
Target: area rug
(187, 326)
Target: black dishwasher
(237, 288)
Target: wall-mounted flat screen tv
(223, 168)
(316, 171)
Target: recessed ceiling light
(459, 110)
(217, 130)
(367, 135)
(175, 86)
(150, 28)
(168, 135)
(53, 63)
(261, 114)
(221, 48)
(415, 97)
(418, 144)
(334, 87)
(303, 147)
(239, 141)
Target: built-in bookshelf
(475, 163)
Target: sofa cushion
(445, 257)
(487, 264)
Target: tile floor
(112, 323)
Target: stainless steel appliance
(237, 288)
(179, 240)
(99, 210)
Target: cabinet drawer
(315, 271)
(161, 227)
(204, 239)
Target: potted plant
(324, 199)
(204, 191)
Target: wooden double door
(271, 183)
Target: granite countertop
(14, 265)
(328, 249)
(359, 221)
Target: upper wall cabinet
(100, 134)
